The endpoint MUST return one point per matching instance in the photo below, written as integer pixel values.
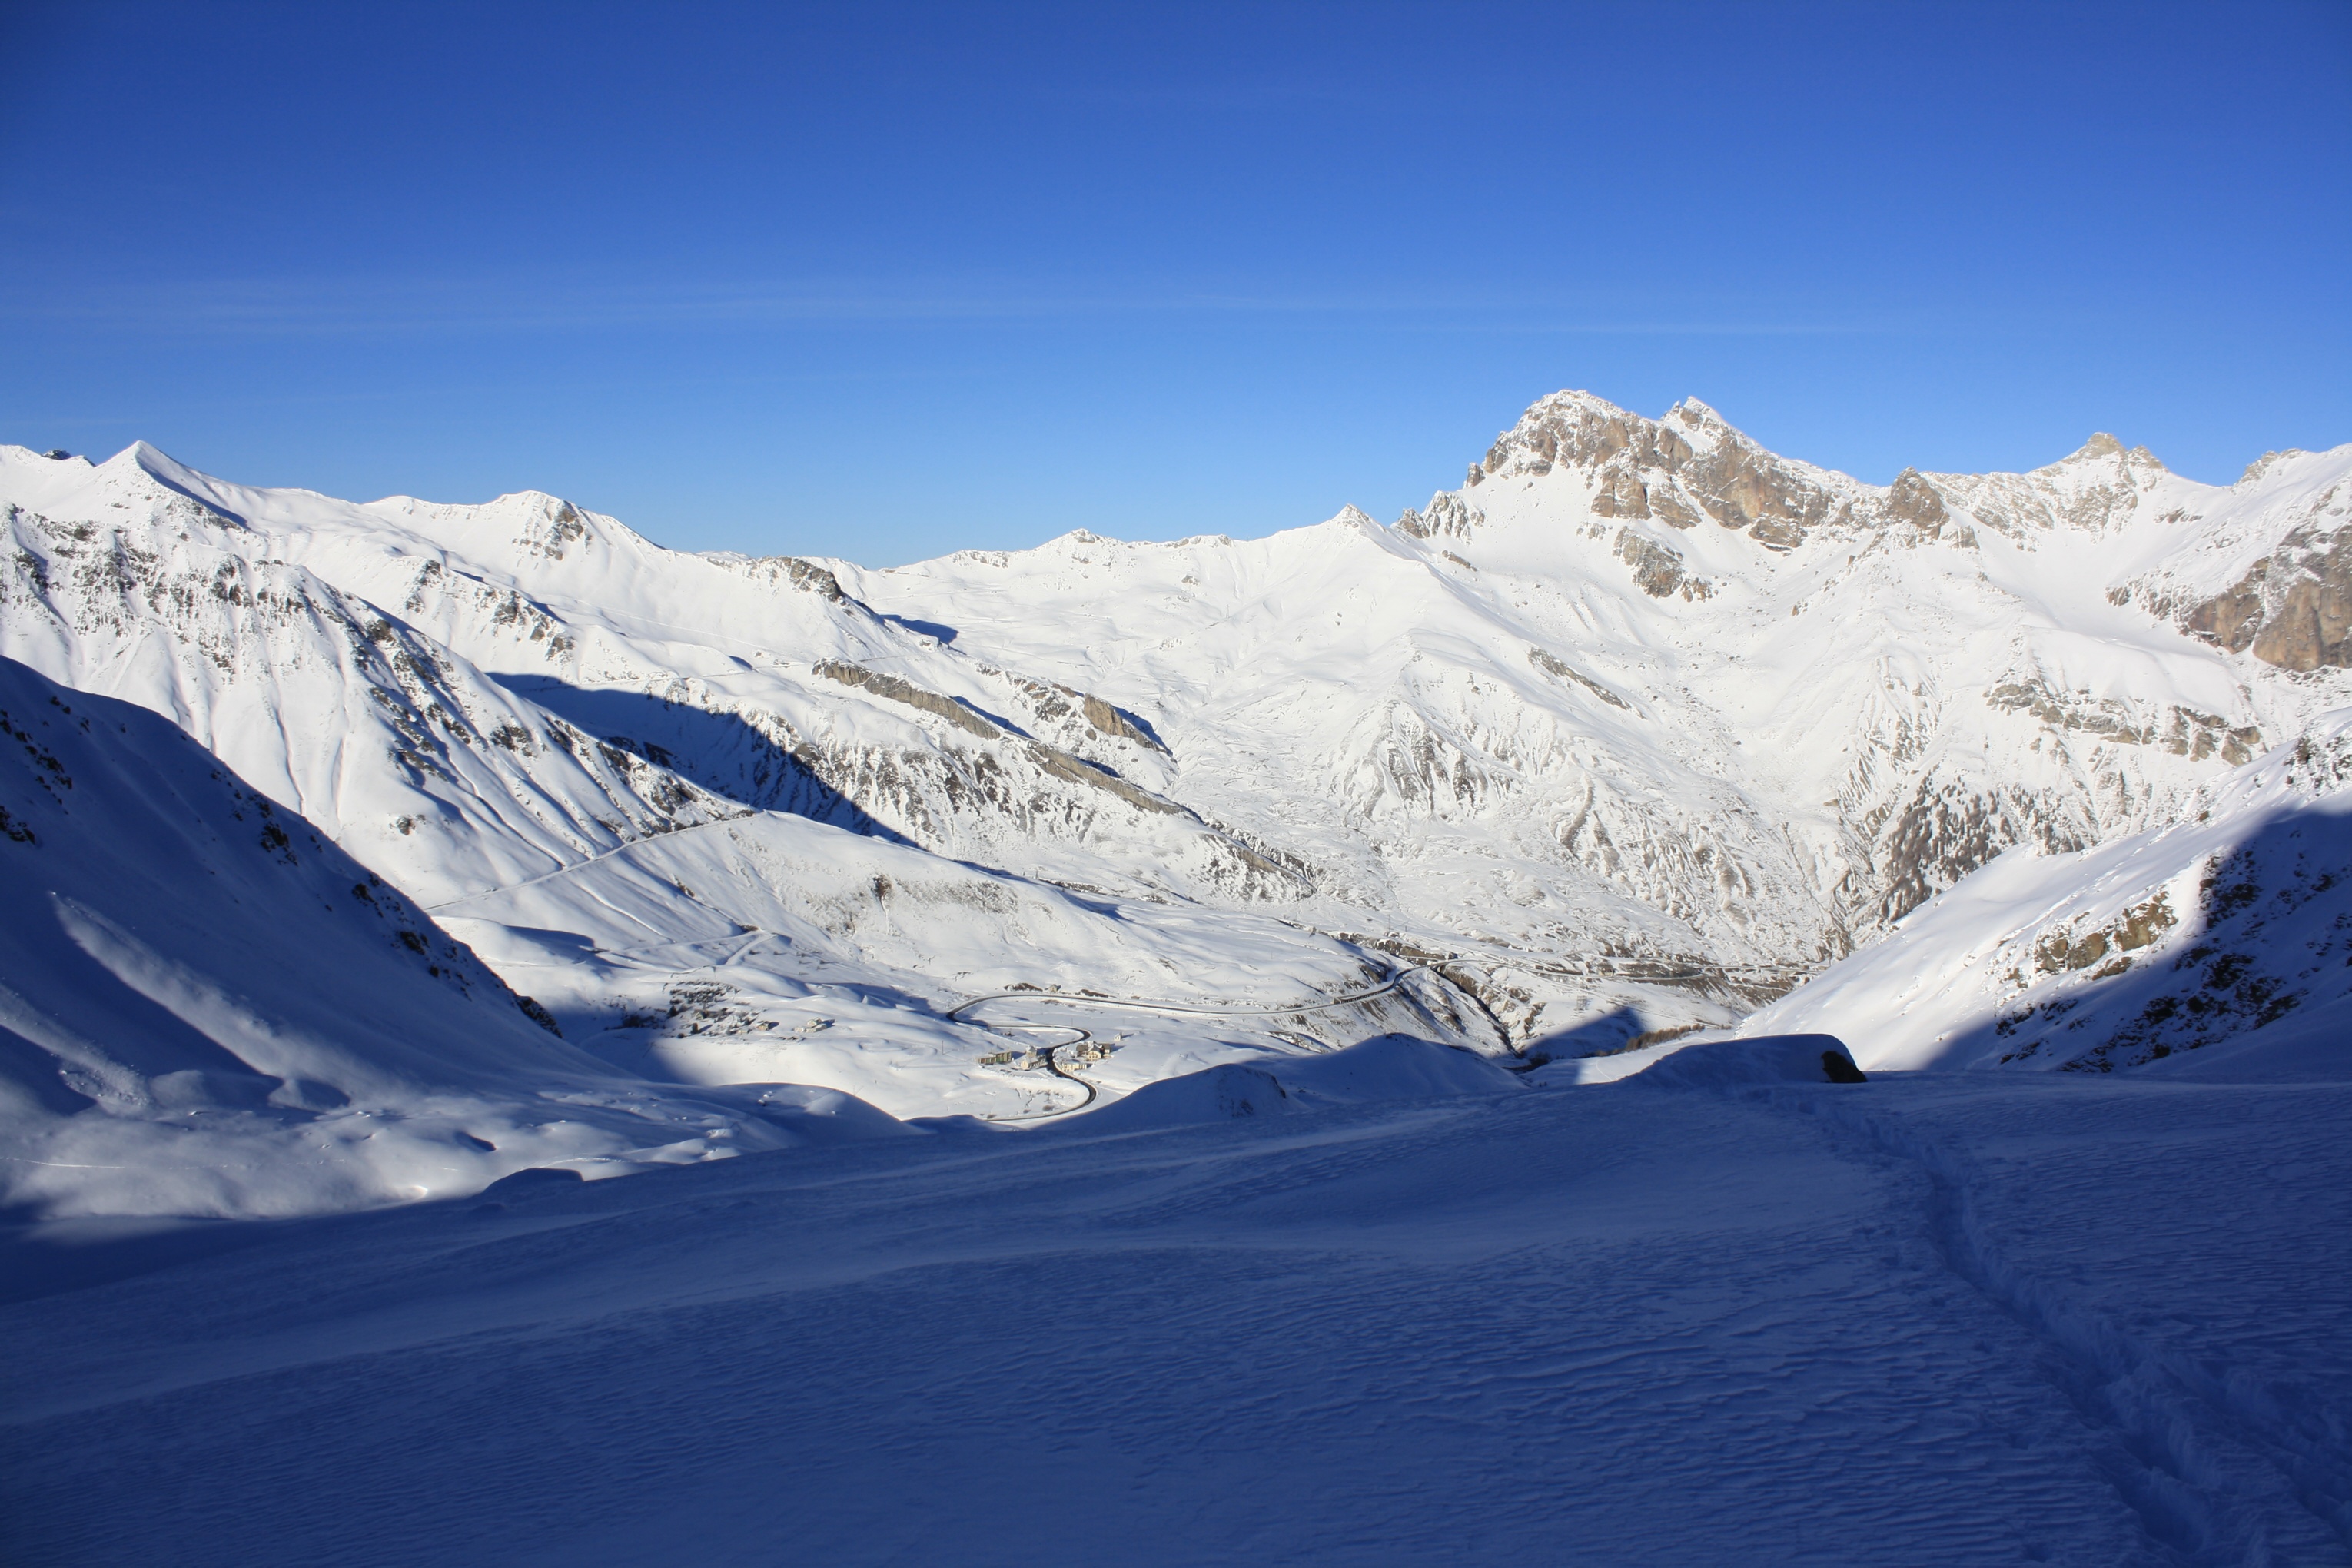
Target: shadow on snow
(723, 752)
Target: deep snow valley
(522, 1045)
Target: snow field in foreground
(1951, 1320)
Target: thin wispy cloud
(263, 307)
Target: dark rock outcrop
(913, 696)
(2292, 609)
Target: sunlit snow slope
(2230, 928)
(758, 926)
(1644, 702)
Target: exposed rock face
(2232, 619)
(1657, 567)
(1948, 829)
(1053, 703)
(1552, 664)
(816, 579)
(784, 571)
(2283, 592)
(1620, 493)
(2101, 486)
(907, 692)
(1677, 470)
(2294, 610)
(1109, 720)
(2310, 627)
(2183, 731)
(1912, 500)
(1691, 467)
(1740, 485)
(1448, 514)
(1062, 765)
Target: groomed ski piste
(526, 1120)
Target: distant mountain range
(1635, 731)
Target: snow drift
(1385, 1068)
(1762, 1058)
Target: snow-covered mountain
(207, 1008)
(1632, 733)
(1642, 703)
(2228, 927)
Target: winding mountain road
(1055, 1067)
(1081, 1000)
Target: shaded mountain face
(1631, 731)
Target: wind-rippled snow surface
(1947, 1320)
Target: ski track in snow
(1908, 1321)
(2197, 1451)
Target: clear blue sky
(881, 283)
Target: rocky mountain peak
(1686, 469)
(545, 524)
(2104, 449)
(1698, 416)
(2263, 464)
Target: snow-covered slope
(759, 678)
(2230, 928)
(207, 1008)
(822, 936)
(1642, 700)
(1966, 1318)
(405, 754)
